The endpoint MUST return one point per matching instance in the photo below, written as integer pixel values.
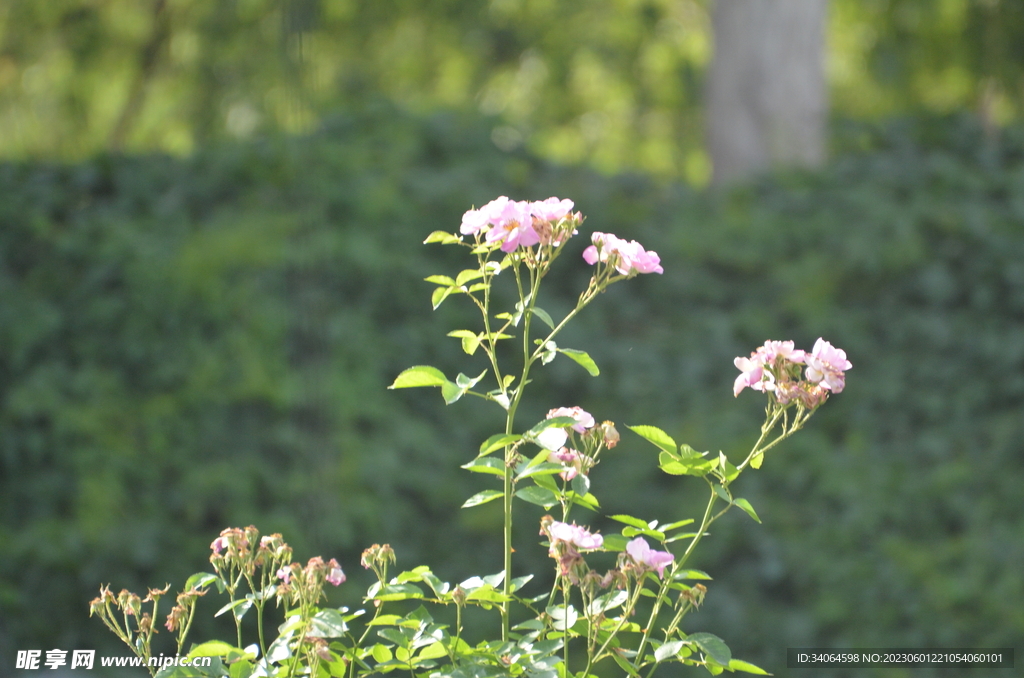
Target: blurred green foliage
(191, 344)
(613, 83)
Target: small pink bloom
(826, 365)
(574, 535)
(628, 256)
(285, 574)
(551, 209)
(219, 544)
(334, 574)
(643, 555)
(584, 420)
(780, 349)
(751, 371)
(570, 459)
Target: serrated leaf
(440, 294)
(746, 667)
(399, 592)
(606, 602)
(466, 275)
(656, 436)
(482, 498)
(712, 645)
(676, 525)
(491, 465)
(563, 618)
(745, 505)
(442, 237)
(440, 280)
(544, 468)
(630, 520)
(498, 441)
(583, 359)
(419, 375)
(580, 484)
(537, 495)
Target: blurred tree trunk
(767, 102)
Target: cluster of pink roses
(627, 257)
(775, 368)
(515, 223)
(568, 540)
(521, 223)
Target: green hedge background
(191, 344)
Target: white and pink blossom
(826, 366)
(627, 257)
(574, 535)
(643, 555)
(584, 419)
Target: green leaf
(746, 667)
(419, 375)
(470, 340)
(691, 574)
(238, 607)
(630, 520)
(606, 602)
(451, 392)
(581, 485)
(440, 294)
(745, 505)
(543, 315)
(482, 498)
(537, 495)
(213, 648)
(670, 649)
(442, 237)
(432, 651)
(491, 465)
(498, 441)
(756, 460)
(440, 280)
(466, 275)
(615, 542)
(583, 359)
(328, 623)
(723, 493)
(712, 645)
(200, 580)
(655, 435)
(399, 592)
(729, 472)
(676, 525)
(545, 468)
(381, 653)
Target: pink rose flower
(570, 459)
(551, 209)
(584, 420)
(628, 256)
(826, 365)
(644, 556)
(574, 535)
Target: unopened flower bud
(611, 435)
